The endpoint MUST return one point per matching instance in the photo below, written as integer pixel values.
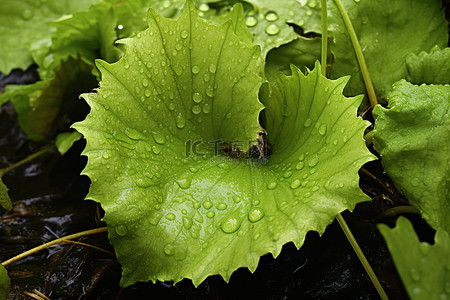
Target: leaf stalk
(359, 54)
(361, 257)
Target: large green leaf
(176, 209)
(423, 268)
(388, 31)
(90, 34)
(26, 22)
(5, 283)
(413, 137)
(429, 68)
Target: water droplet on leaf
(121, 230)
(184, 183)
(295, 184)
(271, 16)
(255, 214)
(197, 97)
(272, 29)
(231, 224)
(251, 21)
(170, 216)
(272, 185)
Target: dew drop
(287, 174)
(309, 13)
(156, 150)
(196, 109)
(425, 248)
(145, 82)
(121, 230)
(197, 97)
(206, 108)
(203, 7)
(271, 16)
(312, 3)
(170, 216)
(256, 236)
(230, 225)
(210, 91)
(187, 222)
(184, 183)
(159, 137)
(27, 14)
(212, 68)
(315, 189)
(307, 123)
(126, 65)
(207, 204)
(193, 169)
(134, 134)
(255, 214)
(323, 129)
(313, 161)
(184, 34)
(195, 69)
(301, 157)
(295, 184)
(168, 249)
(251, 21)
(415, 275)
(210, 214)
(180, 120)
(272, 185)
(222, 206)
(229, 115)
(300, 165)
(272, 29)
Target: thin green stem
(359, 54)
(361, 257)
(323, 59)
(54, 242)
(397, 210)
(26, 159)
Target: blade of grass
(54, 242)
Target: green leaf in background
(269, 21)
(5, 283)
(5, 201)
(176, 209)
(412, 137)
(429, 68)
(89, 34)
(301, 52)
(45, 105)
(26, 22)
(132, 14)
(388, 31)
(64, 141)
(423, 268)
